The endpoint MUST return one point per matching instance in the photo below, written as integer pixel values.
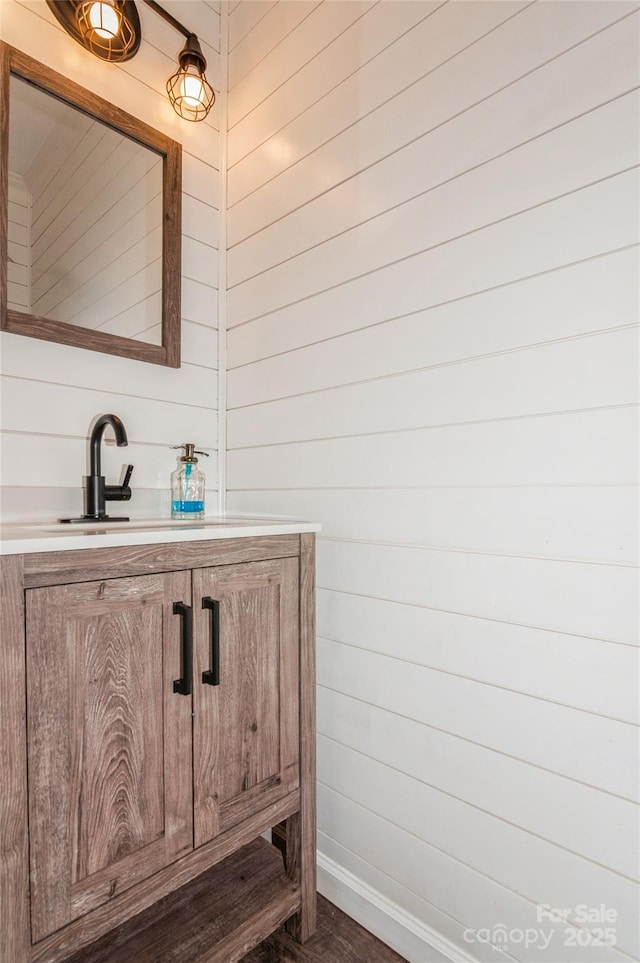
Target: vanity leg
(300, 863)
(300, 829)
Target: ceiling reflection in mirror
(85, 220)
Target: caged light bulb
(104, 19)
(192, 91)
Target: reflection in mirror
(85, 220)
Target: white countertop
(19, 538)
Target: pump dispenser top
(187, 484)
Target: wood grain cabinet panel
(246, 723)
(109, 742)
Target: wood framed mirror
(90, 219)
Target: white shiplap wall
(50, 393)
(433, 349)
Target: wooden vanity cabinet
(168, 694)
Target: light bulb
(192, 91)
(104, 19)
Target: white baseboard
(404, 933)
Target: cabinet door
(246, 715)
(109, 741)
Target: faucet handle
(119, 493)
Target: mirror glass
(90, 218)
(85, 220)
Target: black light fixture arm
(167, 16)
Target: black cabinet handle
(212, 675)
(183, 685)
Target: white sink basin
(135, 525)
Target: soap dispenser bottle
(187, 485)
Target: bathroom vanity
(157, 691)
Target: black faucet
(96, 492)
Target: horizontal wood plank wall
(51, 392)
(433, 349)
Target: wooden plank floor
(338, 939)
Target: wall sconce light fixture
(106, 29)
(190, 93)
(110, 29)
